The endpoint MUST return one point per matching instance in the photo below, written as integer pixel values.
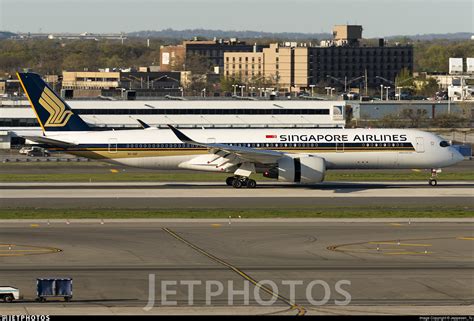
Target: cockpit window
(444, 143)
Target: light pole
(312, 89)
(235, 89)
(327, 90)
(345, 82)
(387, 88)
(399, 92)
(241, 91)
(251, 90)
(381, 92)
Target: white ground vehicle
(9, 294)
(25, 150)
(34, 151)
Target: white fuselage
(340, 148)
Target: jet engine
(303, 169)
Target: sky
(378, 17)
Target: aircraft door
(420, 145)
(340, 147)
(112, 145)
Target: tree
(416, 117)
(226, 83)
(433, 56)
(391, 121)
(450, 121)
(428, 87)
(404, 79)
(197, 64)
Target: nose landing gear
(240, 181)
(434, 175)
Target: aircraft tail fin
(52, 112)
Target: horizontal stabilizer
(49, 141)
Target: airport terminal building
(17, 117)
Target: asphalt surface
(216, 195)
(95, 167)
(387, 264)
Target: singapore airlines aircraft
(288, 155)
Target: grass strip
(320, 212)
(213, 177)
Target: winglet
(182, 137)
(143, 124)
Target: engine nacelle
(304, 169)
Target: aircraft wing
(49, 141)
(244, 154)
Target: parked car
(442, 95)
(303, 94)
(403, 96)
(24, 150)
(350, 96)
(418, 98)
(38, 152)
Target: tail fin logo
(58, 115)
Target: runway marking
(401, 244)
(301, 310)
(466, 238)
(23, 250)
(363, 247)
(408, 253)
(371, 250)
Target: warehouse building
(120, 84)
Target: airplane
(286, 154)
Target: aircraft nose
(456, 155)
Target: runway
(216, 195)
(389, 265)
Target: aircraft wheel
(251, 183)
(229, 180)
(433, 182)
(237, 183)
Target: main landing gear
(240, 181)
(433, 179)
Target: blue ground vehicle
(54, 287)
(465, 150)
